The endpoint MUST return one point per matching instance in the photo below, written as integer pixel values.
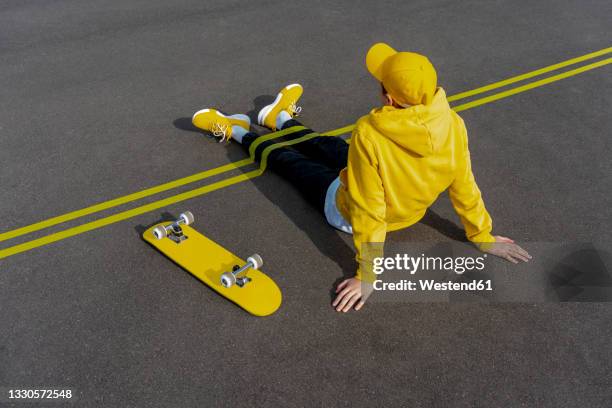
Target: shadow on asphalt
(258, 103)
(327, 240)
(184, 123)
(164, 217)
(444, 226)
(308, 219)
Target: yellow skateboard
(239, 281)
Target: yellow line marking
(531, 85)
(121, 200)
(271, 136)
(70, 232)
(231, 166)
(144, 193)
(245, 162)
(528, 75)
(252, 174)
(340, 131)
(509, 92)
(241, 163)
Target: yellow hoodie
(400, 160)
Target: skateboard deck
(207, 261)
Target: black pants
(311, 166)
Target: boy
(401, 157)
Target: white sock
(238, 133)
(281, 118)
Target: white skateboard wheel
(228, 279)
(159, 232)
(187, 217)
(256, 260)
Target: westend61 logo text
(428, 263)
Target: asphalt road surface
(96, 100)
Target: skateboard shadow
(164, 217)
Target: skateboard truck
(174, 230)
(228, 279)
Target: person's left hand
(349, 293)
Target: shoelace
(294, 110)
(220, 130)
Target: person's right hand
(506, 248)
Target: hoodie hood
(421, 129)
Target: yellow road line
(510, 92)
(241, 163)
(144, 193)
(245, 162)
(252, 174)
(528, 75)
(340, 131)
(121, 200)
(531, 85)
(70, 232)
